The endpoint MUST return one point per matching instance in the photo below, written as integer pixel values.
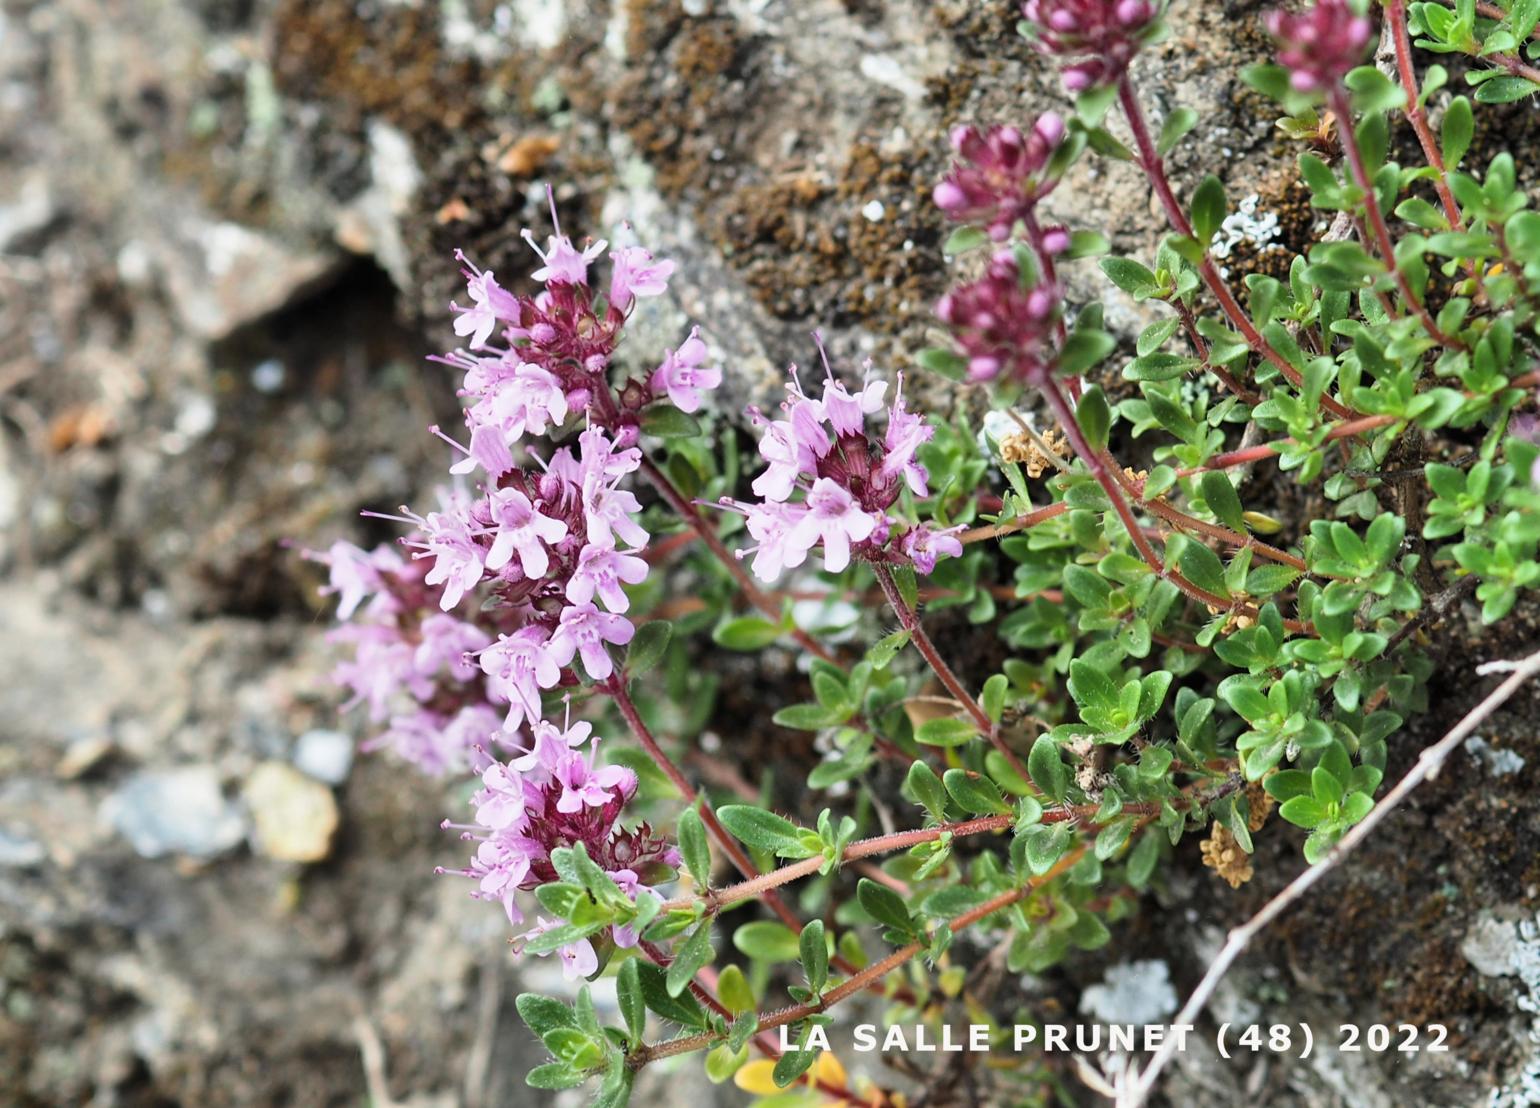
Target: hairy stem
(1154, 168)
(910, 620)
(1395, 16)
(616, 687)
(1338, 101)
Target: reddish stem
(1395, 15)
(1376, 218)
(687, 512)
(910, 620)
(1154, 168)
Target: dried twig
(1427, 767)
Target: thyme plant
(1178, 659)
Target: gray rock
(325, 755)
(181, 810)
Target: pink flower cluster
(1004, 321)
(517, 586)
(1320, 46)
(555, 795)
(1093, 39)
(848, 478)
(998, 176)
(410, 666)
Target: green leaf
(946, 731)
(1505, 90)
(1091, 687)
(1177, 124)
(668, 422)
(764, 830)
(1302, 811)
(696, 952)
(925, 789)
(1045, 845)
(1220, 496)
(1209, 209)
(648, 646)
(885, 649)
(992, 700)
(746, 633)
(1087, 244)
(1202, 567)
(682, 1009)
(805, 717)
(884, 905)
(692, 845)
(1047, 769)
(767, 941)
(963, 240)
(815, 955)
(945, 363)
(976, 795)
(722, 1062)
(1084, 349)
(1130, 276)
(543, 1014)
(633, 1006)
(554, 1075)
(1110, 839)
(1266, 580)
(734, 991)
(792, 1065)
(1094, 417)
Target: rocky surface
(225, 237)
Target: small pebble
(325, 755)
(294, 816)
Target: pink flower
(446, 642)
(906, 432)
(771, 525)
(997, 178)
(522, 528)
(846, 413)
(583, 786)
(356, 573)
(457, 557)
(607, 515)
(550, 746)
(520, 665)
(501, 866)
(1001, 326)
(584, 630)
(684, 374)
(600, 571)
(489, 450)
(925, 547)
(833, 517)
(564, 265)
(1093, 39)
(421, 739)
(500, 801)
(578, 960)
(490, 303)
(633, 273)
(529, 400)
(472, 726)
(1321, 45)
(793, 447)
